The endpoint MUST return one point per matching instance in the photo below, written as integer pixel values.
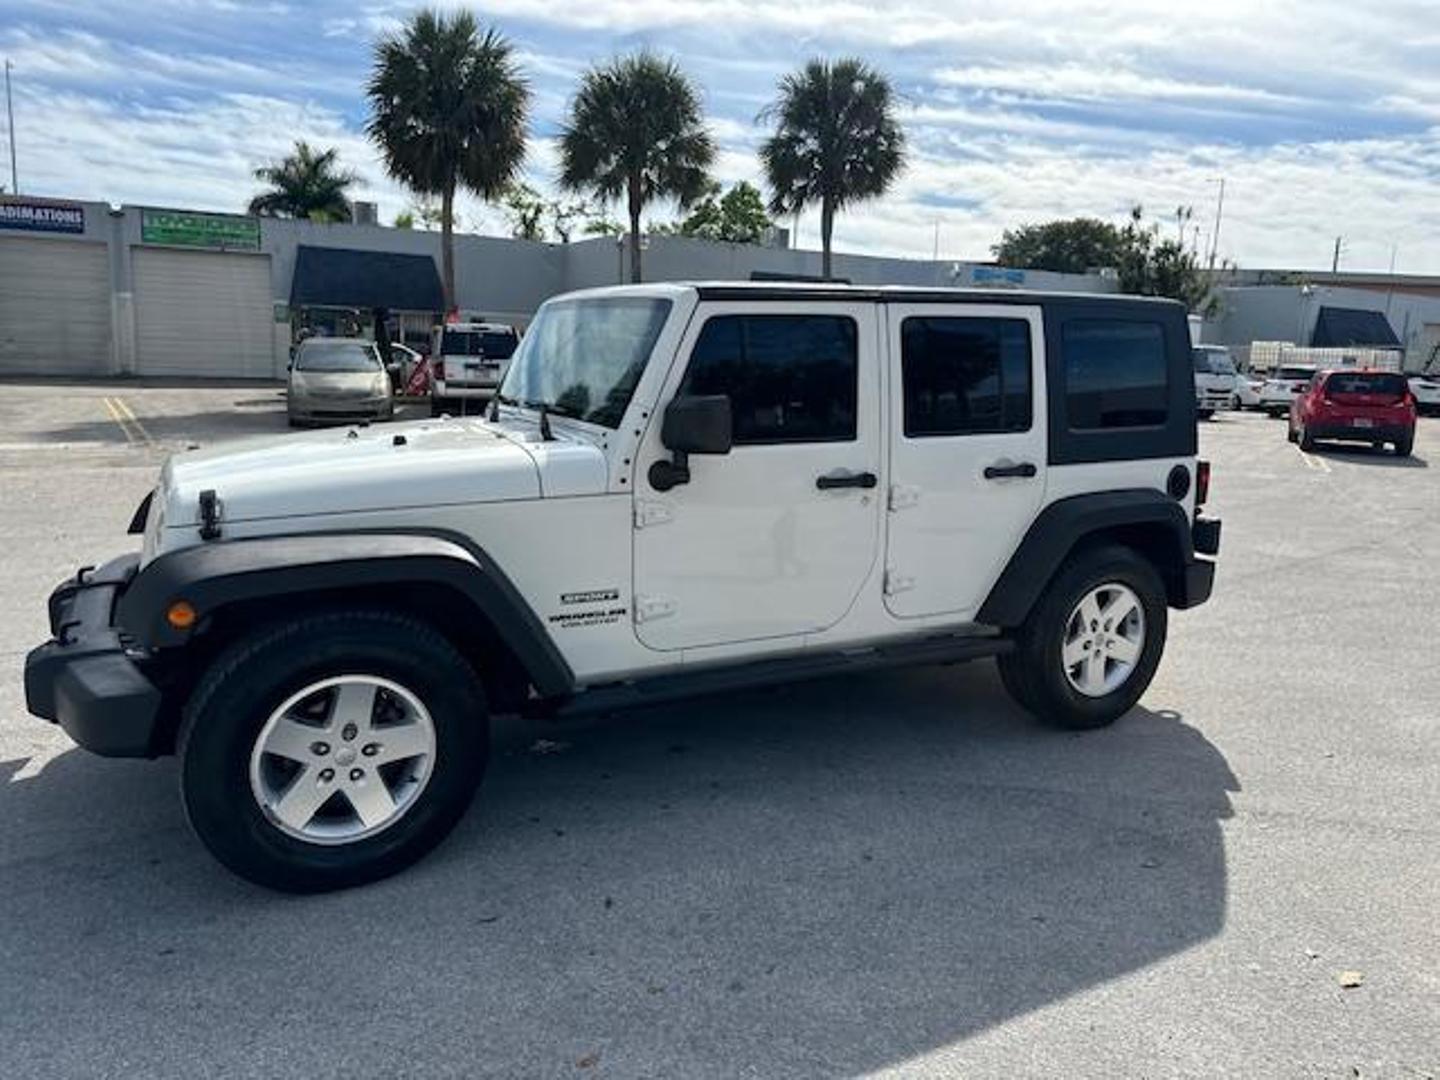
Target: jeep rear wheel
(332, 750)
(1093, 641)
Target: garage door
(54, 307)
(203, 313)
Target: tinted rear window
(494, 345)
(1366, 384)
(1296, 373)
(1116, 375)
(965, 376)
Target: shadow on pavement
(1368, 455)
(827, 878)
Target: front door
(775, 539)
(968, 450)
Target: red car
(1357, 406)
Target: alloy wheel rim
(1104, 639)
(342, 759)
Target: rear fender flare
(1066, 523)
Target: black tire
(1290, 433)
(248, 681)
(1306, 440)
(1204, 414)
(1404, 447)
(439, 406)
(1034, 673)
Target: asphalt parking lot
(897, 873)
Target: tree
(1150, 266)
(635, 129)
(526, 211)
(1147, 264)
(1072, 246)
(449, 111)
(737, 217)
(405, 219)
(837, 141)
(304, 184)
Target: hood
(378, 467)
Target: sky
(1322, 117)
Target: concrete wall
(1289, 312)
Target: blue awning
(342, 277)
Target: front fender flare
(212, 576)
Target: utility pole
(10, 112)
(936, 256)
(1335, 259)
(1219, 212)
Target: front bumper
(84, 678)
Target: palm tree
(448, 110)
(635, 129)
(836, 141)
(305, 184)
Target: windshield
(1212, 361)
(337, 356)
(582, 358)
(492, 344)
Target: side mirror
(697, 425)
(693, 424)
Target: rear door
(967, 453)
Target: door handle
(831, 481)
(999, 472)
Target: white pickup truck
(1215, 379)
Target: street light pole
(10, 112)
(1219, 212)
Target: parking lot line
(115, 415)
(1314, 462)
(135, 433)
(129, 414)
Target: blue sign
(997, 275)
(42, 216)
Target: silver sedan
(338, 380)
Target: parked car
(337, 380)
(469, 362)
(1426, 389)
(1215, 379)
(1247, 391)
(681, 489)
(1283, 385)
(1355, 406)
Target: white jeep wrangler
(678, 489)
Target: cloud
(1323, 119)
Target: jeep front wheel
(1093, 641)
(332, 750)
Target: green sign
(178, 228)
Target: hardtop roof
(898, 294)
